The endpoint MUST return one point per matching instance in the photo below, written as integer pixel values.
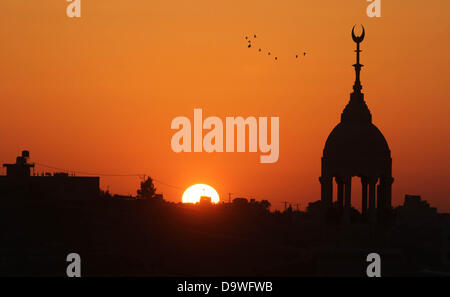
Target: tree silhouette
(265, 204)
(147, 189)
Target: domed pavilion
(357, 148)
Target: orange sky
(99, 93)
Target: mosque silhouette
(356, 147)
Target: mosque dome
(348, 141)
(356, 137)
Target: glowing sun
(194, 192)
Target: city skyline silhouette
(48, 215)
(81, 98)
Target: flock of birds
(249, 41)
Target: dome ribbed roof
(356, 141)
(355, 136)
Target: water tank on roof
(26, 154)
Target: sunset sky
(98, 94)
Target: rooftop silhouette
(19, 183)
(45, 216)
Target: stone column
(326, 183)
(387, 189)
(381, 197)
(348, 198)
(372, 193)
(340, 192)
(348, 191)
(364, 196)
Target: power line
(140, 175)
(85, 172)
(169, 185)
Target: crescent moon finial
(358, 39)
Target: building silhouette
(416, 211)
(21, 168)
(20, 183)
(205, 201)
(356, 147)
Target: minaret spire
(357, 39)
(356, 111)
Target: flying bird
(249, 45)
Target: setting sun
(194, 192)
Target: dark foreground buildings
(20, 182)
(129, 236)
